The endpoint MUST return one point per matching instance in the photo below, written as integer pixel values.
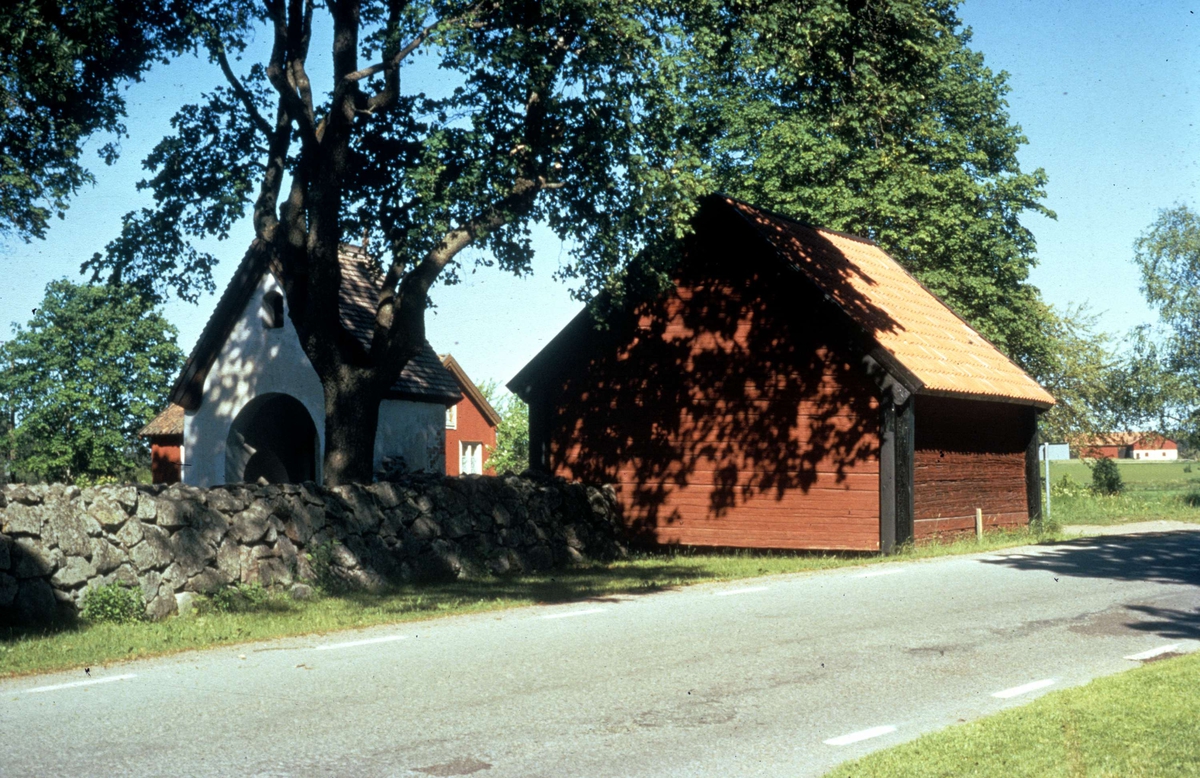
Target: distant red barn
(796, 388)
(470, 426)
(1147, 446)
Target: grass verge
(64, 646)
(1145, 722)
(1153, 491)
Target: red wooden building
(795, 388)
(470, 426)
(165, 432)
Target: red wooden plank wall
(969, 455)
(165, 458)
(728, 414)
(472, 427)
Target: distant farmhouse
(470, 426)
(794, 388)
(248, 403)
(1139, 446)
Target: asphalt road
(782, 676)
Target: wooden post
(979, 523)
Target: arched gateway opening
(273, 438)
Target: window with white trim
(470, 458)
(452, 417)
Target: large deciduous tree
(62, 69)
(913, 148)
(80, 378)
(438, 127)
(1162, 384)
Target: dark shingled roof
(423, 378)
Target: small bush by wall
(58, 542)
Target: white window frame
(474, 464)
(452, 417)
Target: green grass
(1145, 722)
(24, 651)
(1153, 490)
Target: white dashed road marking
(91, 682)
(368, 642)
(866, 734)
(1153, 652)
(569, 614)
(1017, 691)
(747, 590)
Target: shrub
(1106, 478)
(320, 559)
(117, 602)
(240, 598)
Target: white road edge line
(91, 682)
(877, 573)
(368, 642)
(568, 615)
(1153, 652)
(866, 734)
(747, 590)
(1017, 691)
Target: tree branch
(217, 49)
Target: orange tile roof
(918, 330)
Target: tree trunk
(351, 421)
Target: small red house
(165, 432)
(795, 388)
(470, 426)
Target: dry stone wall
(57, 541)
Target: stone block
(225, 502)
(273, 572)
(185, 604)
(161, 605)
(32, 560)
(149, 581)
(22, 518)
(540, 558)
(108, 513)
(24, 495)
(425, 528)
(387, 495)
(229, 559)
(8, 590)
(125, 496)
(172, 513)
(208, 581)
(457, 526)
(250, 525)
(301, 592)
(147, 508)
(154, 552)
(125, 574)
(105, 556)
(305, 519)
(131, 534)
(67, 531)
(189, 550)
(75, 572)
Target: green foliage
(1106, 477)
(1082, 372)
(63, 68)
(78, 381)
(511, 454)
(320, 560)
(116, 602)
(1162, 383)
(914, 149)
(239, 598)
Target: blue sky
(1106, 92)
